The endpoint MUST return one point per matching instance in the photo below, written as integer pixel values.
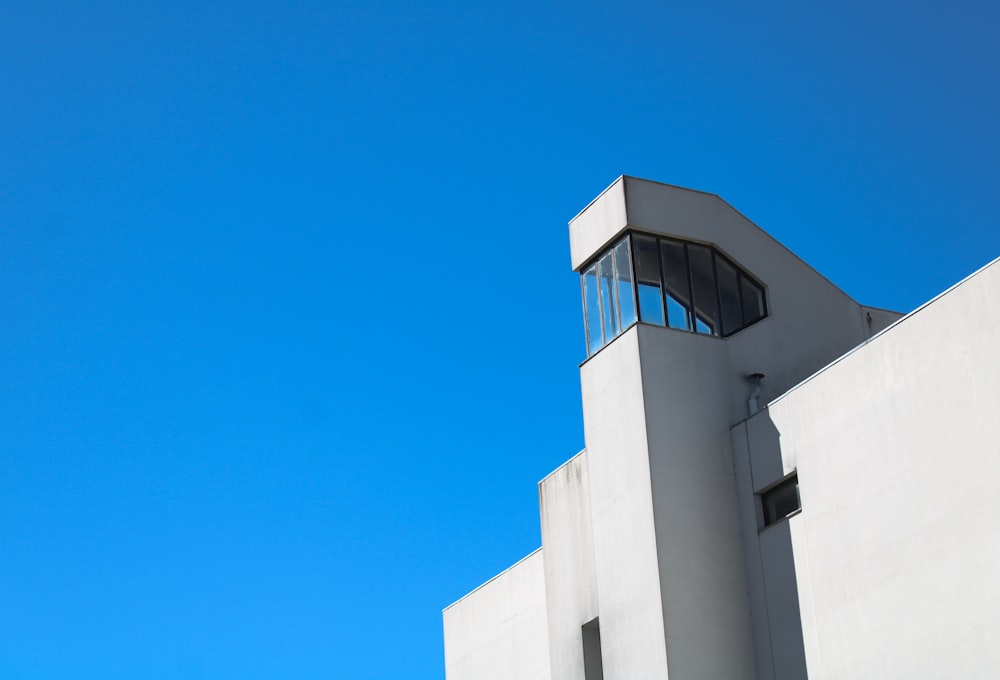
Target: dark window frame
(777, 495)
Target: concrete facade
(659, 556)
(500, 630)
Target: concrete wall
(686, 379)
(598, 224)
(877, 319)
(621, 499)
(570, 581)
(897, 447)
(768, 557)
(499, 631)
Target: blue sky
(289, 332)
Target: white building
(778, 482)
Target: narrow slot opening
(593, 666)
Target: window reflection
(706, 311)
(609, 310)
(647, 268)
(675, 276)
(591, 302)
(623, 284)
(609, 304)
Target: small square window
(780, 500)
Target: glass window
(706, 311)
(647, 275)
(623, 284)
(675, 276)
(729, 296)
(781, 501)
(753, 300)
(666, 282)
(609, 310)
(592, 311)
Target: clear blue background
(287, 328)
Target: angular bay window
(666, 282)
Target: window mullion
(662, 271)
(614, 286)
(718, 295)
(691, 310)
